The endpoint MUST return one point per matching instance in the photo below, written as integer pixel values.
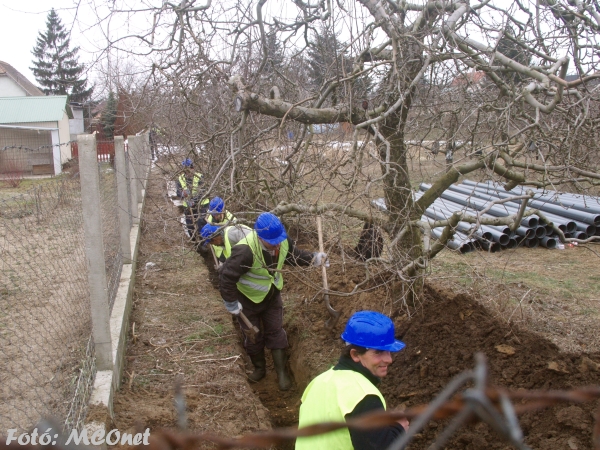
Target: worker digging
(251, 281)
(190, 191)
(218, 217)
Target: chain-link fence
(44, 303)
(47, 352)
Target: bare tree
(488, 78)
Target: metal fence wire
(46, 358)
(465, 400)
(110, 230)
(47, 354)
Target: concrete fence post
(94, 249)
(148, 158)
(132, 179)
(122, 199)
(138, 154)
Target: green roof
(32, 109)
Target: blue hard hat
(371, 329)
(187, 162)
(216, 206)
(208, 232)
(270, 229)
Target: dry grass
(553, 292)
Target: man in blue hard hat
(217, 215)
(349, 389)
(251, 280)
(190, 190)
(223, 238)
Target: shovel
(252, 331)
(334, 315)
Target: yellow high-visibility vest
(256, 283)
(194, 191)
(328, 398)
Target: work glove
(219, 266)
(234, 307)
(320, 258)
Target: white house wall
(8, 88)
(65, 137)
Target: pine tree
(275, 58)
(325, 54)
(56, 67)
(109, 116)
(508, 47)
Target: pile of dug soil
(441, 342)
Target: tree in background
(488, 79)
(109, 116)
(326, 59)
(56, 67)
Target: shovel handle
(321, 249)
(249, 324)
(334, 315)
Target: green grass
(566, 282)
(209, 332)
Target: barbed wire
(492, 405)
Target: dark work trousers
(268, 317)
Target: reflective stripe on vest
(195, 183)
(328, 398)
(256, 283)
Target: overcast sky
(22, 20)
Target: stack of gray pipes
(575, 215)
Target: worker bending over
(251, 280)
(218, 216)
(223, 238)
(349, 389)
(190, 188)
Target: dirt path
(182, 329)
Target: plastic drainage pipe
(558, 214)
(440, 212)
(549, 229)
(525, 232)
(565, 200)
(497, 236)
(590, 230)
(531, 221)
(453, 244)
(548, 242)
(491, 247)
(580, 235)
(465, 227)
(512, 243)
(532, 243)
(540, 231)
(563, 223)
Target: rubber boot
(280, 359)
(259, 366)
